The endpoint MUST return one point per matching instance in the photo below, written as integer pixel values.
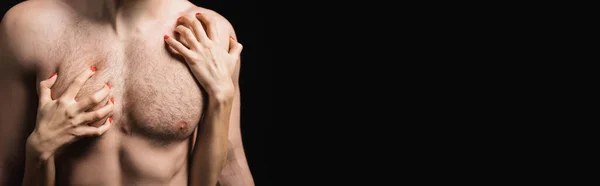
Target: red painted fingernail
(52, 75)
(110, 119)
(109, 86)
(231, 37)
(166, 37)
(197, 14)
(112, 100)
(93, 69)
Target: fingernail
(231, 37)
(197, 14)
(166, 37)
(179, 19)
(112, 100)
(109, 86)
(93, 69)
(110, 119)
(52, 75)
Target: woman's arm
(60, 122)
(211, 144)
(38, 171)
(236, 171)
(213, 67)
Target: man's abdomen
(122, 160)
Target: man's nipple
(181, 125)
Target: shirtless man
(157, 100)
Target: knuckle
(95, 99)
(70, 113)
(97, 115)
(73, 123)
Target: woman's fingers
(177, 46)
(235, 48)
(93, 116)
(89, 131)
(187, 36)
(45, 91)
(173, 50)
(93, 100)
(196, 26)
(211, 26)
(74, 88)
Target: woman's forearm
(210, 152)
(39, 169)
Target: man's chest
(155, 94)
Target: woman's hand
(64, 120)
(209, 62)
(213, 67)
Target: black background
(248, 21)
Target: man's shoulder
(35, 16)
(30, 25)
(224, 25)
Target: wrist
(221, 95)
(35, 149)
(220, 99)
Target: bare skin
(60, 122)
(158, 102)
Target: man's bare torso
(158, 103)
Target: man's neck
(131, 10)
(128, 15)
(134, 14)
